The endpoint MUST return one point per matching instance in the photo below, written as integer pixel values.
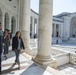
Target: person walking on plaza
(6, 40)
(17, 45)
(1, 37)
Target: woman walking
(6, 40)
(17, 45)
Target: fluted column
(44, 56)
(25, 27)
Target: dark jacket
(6, 44)
(1, 40)
(15, 43)
(0, 44)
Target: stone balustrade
(73, 58)
(60, 56)
(56, 52)
(64, 57)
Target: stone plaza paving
(66, 47)
(68, 69)
(28, 67)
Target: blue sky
(59, 6)
(35, 5)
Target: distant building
(63, 27)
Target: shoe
(14, 63)
(5, 57)
(0, 72)
(19, 67)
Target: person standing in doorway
(17, 45)
(1, 37)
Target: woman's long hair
(16, 35)
(5, 31)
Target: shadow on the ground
(13, 68)
(9, 70)
(33, 70)
(68, 65)
(9, 55)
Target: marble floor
(68, 69)
(27, 67)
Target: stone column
(19, 15)
(25, 27)
(44, 56)
(54, 30)
(3, 22)
(59, 30)
(37, 27)
(3, 18)
(32, 27)
(9, 23)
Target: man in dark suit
(1, 36)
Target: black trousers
(0, 56)
(0, 62)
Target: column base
(51, 62)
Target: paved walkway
(28, 67)
(68, 69)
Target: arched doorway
(6, 21)
(0, 16)
(73, 28)
(13, 25)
